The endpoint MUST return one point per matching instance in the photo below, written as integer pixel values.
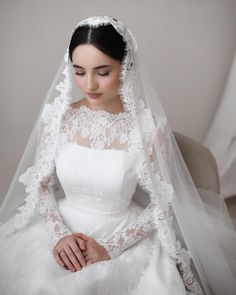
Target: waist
(98, 204)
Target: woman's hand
(67, 252)
(94, 252)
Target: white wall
(188, 46)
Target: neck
(113, 106)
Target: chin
(95, 101)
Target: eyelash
(103, 74)
(100, 74)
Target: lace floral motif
(49, 212)
(183, 265)
(155, 218)
(39, 180)
(147, 139)
(131, 45)
(133, 233)
(105, 130)
(52, 113)
(97, 129)
(128, 63)
(43, 166)
(153, 175)
(100, 129)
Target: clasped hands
(78, 250)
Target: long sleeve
(132, 234)
(150, 181)
(47, 205)
(143, 226)
(48, 210)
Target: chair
(200, 162)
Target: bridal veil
(201, 239)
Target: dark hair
(104, 38)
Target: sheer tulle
(176, 209)
(103, 210)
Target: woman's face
(97, 75)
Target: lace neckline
(97, 128)
(98, 112)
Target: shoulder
(71, 113)
(78, 104)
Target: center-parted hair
(104, 38)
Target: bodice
(95, 162)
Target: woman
(98, 238)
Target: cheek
(79, 82)
(111, 84)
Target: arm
(45, 162)
(39, 180)
(40, 200)
(150, 180)
(67, 247)
(130, 235)
(48, 210)
(143, 226)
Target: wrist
(112, 251)
(57, 237)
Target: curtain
(221, 137)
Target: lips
(94, 95)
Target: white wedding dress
(98, 185)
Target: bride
(108, 206)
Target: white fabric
(98, 208)
(174, 211)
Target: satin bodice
(99, 180)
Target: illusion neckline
(97, 112)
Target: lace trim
(131, 44)
(161, 193)
(133, 233)
(128, 63)
(49, 212)
(156, 218)
(34, 177)
(43, 166)
(101, 128)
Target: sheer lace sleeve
(47, 205)
(145, 224)
(132, 234)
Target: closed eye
(104, 74)
(79, 74)
(100, 74)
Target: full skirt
(27, 265)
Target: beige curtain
(221, 138)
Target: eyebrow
(96, 68)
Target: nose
(91, 83)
